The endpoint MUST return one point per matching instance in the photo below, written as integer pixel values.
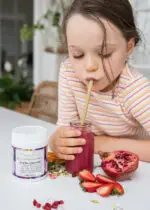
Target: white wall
(39, 8)
(141, 56)
(46, 65)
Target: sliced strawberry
(104, 179)
(118, 189)
(105, 189)
(86, 175)
(90, 186)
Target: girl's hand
(66, 142)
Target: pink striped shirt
(127, 114)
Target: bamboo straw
(87, 103)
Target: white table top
(18, 195)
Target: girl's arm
(110, 144)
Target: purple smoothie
(83, 160)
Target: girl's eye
(78, 56)
(106, 55)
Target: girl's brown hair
(118, 12)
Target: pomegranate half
(119, 165)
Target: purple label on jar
(29, 163)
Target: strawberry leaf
(115, 192)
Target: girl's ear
(130, 46)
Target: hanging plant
(50, 24)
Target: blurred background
(13, 14)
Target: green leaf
(56, 19)
(115, 192)
(94, 201)
(5, 82)
(26, 33)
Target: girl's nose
(91, 64)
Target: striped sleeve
(137, 101)
(67, 110)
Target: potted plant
(50, 25)
(14, 92)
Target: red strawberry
(90, 186)
(104, 179)
(105, 189)
(118, 189)
(86, 175)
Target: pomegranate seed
(34, 202)
(48, 208)
(61, 202)
(38, 205)
(48, 205)
(55, 204)
(52, 176)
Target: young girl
(101, 35)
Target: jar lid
(29, 137)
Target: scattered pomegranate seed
(52, 176)
(55, 204)
(61, 202)
(47, 205)
(38, 205)
(34, 202)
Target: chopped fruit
(52, 176)
(38, 205)
(119, 165)
(48, 206)
(104, 179)
(105, 190)
(86, 175)
(90, 186)
(55, 204)
(117, 190)
(61, 202)
(34, 202)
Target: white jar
(29, 145)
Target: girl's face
(85, 38)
